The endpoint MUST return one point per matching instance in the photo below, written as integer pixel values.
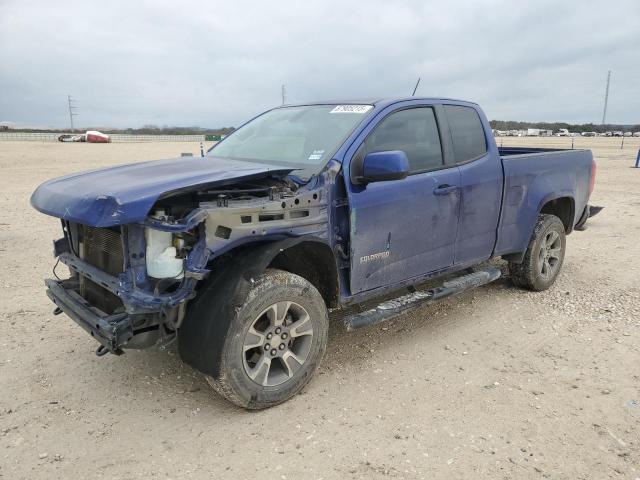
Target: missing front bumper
(111, 331)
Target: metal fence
(120, 137)
(116, 138)
(33, 137)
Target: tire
(543, 259)
(246, 351)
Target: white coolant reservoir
(161, 255)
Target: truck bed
(532, 177)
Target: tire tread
(524, 274)
(223, 382)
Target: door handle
(445, 189)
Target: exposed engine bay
(161, 260)
(247, 210)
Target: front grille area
(101, 248)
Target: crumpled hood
(126, 193)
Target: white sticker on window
(351, 109)
(316, 155)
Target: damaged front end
(110, 292)
(135, 241)
(130, 284)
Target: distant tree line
(579, 128)
(155, 130)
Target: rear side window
(415, 132)
(467, 133)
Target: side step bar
(405, 303)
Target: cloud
(212, 63)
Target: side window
(467, 133)
(415, 132)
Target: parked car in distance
(91, 136)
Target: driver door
(404, 228)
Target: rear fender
(518, 256)
(523, 200)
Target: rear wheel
(544, 256)
(274, 344)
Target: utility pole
(72, 107)
(284, 94)
(606, 98)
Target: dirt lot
(497, 383)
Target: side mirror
(384, 166)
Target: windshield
(302, 137)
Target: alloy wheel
(277, 344)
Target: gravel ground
(497, 383)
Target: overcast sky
(214, 63)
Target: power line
(284, 94)
(72, 107)
(606, 98)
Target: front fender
(225, 290)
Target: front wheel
(544, 256)
(274, 344)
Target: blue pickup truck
(238, 256)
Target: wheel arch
(228, 285)
(562, 207)
(315, 262)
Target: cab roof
(377, 101)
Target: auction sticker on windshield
(351, 109)
(316, 155)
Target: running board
(405, 303)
